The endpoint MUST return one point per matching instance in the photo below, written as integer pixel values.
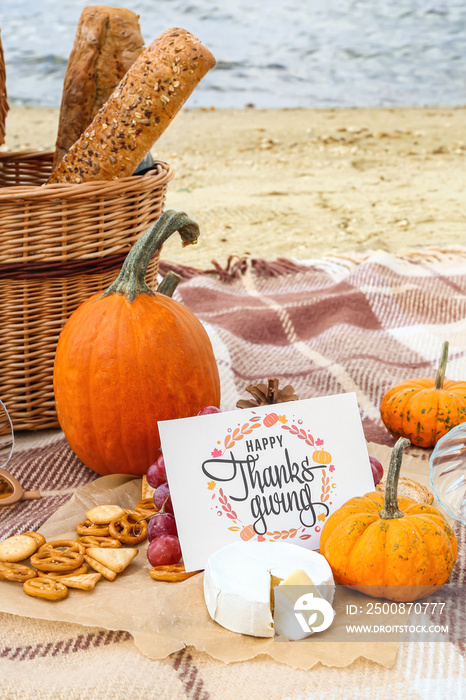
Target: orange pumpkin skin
(423, 410)
(121, 365)
(364, 549)
(421, 413)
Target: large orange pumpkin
(389, 548)
(131, 357)
(423, 410)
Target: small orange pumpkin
(423, 410)
(129, 358)
(400, 549)
(321, 457)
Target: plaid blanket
(326, 326)
(333, 325)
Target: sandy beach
(302, 183)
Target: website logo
(313, 613)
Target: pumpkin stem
(131, 280)
(390, 509)
(439, 379)
(169, 283)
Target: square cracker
(114, 559)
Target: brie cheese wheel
(239, 581)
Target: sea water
(272, 53)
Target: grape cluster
(164, 546)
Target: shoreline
(302, 182)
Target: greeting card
(272, 473)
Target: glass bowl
(448, 472)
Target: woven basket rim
(21, 155)
(163, 172)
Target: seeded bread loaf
(408, 488)
(139, 109)
(108, 40)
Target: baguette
(108, 40)
(139, 109)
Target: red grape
(161, 524)
(156, 474)
(164, 550)
(160, 496)
(208, 410)
(153, 476)
(160, 462)
(377, 470)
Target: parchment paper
(165, 617)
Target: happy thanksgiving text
(272, 489)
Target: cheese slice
(298, 578)
(238, 580)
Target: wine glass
(11, 490)
(7, 443)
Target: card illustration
(269, 473)
(223, 467)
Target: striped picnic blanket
(325, 326)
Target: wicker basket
(59, 244)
